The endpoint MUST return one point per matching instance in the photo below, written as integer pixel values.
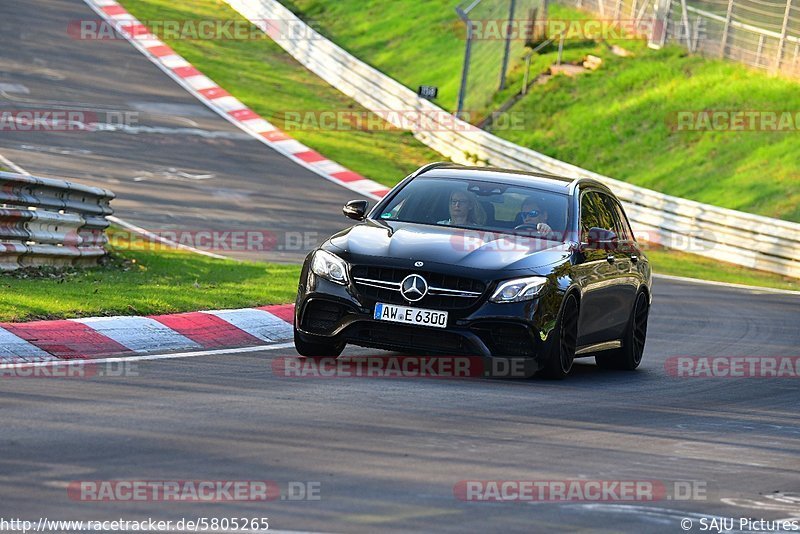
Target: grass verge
(144, 282)
(270, 82)
(618, 120)
(677, 263)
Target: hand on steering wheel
(539, 228)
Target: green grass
(678, 263)
(144, 282)
(615, 121)
(271, 83)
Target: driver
(534, 216)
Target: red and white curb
(100, 337)
(227, 106)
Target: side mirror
(356, 209)
(598, 238)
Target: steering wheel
(531, 227)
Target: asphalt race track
(181, 166)
(385, 453)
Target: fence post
(527, 73)
(462, 91)
(782, 42)
(696, 38)
(509, 27)
(724, 44)
(660, 26)
(759, 49)
(687, 31)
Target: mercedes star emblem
(414, 288)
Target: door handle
(611, 258)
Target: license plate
(404, 314)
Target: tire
(309, 349)
(630, 355)
(562, 348)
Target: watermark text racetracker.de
(733, 366)
(584, 29)
(193, 491)
(65, 120)
(79, 369)
(225, 240)
(734, 120)
(417, 120)
(440, 366)
(192, 30)
(579, 490)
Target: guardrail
(728, 235)
(44, 221)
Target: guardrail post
(782, 42)
(759, 49)
(724, 40)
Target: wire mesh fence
(497, 32)
(764, 34)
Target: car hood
(400, 242)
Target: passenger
(464, 210)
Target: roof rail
(431, 166)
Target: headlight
(329, 267)
(519, 289)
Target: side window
(621, 227)
(594, 214)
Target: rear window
(480, 205)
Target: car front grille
(414, 339)
(382, 284)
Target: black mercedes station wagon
(482, 262)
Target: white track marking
(168, 242)
(140, 334)
(257, 323)
(756, 289)
(148, 357)
(13, 166)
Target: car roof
(544, 181)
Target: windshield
(479, 205)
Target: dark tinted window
(621, 227)
(595, 214)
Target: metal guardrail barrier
(741, 238)
(51, 222)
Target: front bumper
(331, 312)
